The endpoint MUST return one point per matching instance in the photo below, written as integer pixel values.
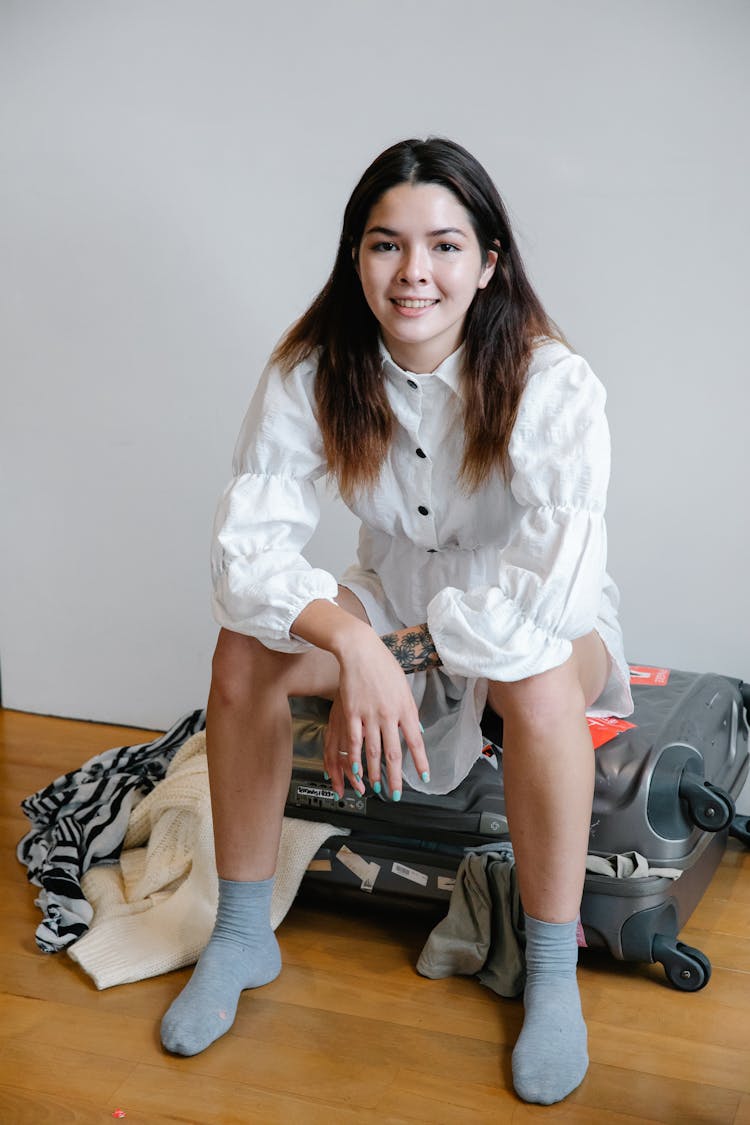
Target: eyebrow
(430, 233)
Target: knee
(541, 702)
(237, 669)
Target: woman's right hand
(372, 709)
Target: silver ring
(343, 753)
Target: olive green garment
(482, 933)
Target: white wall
(173, 177)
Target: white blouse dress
(506, 577)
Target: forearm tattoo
(413, 648)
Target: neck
(420, 359)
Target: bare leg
(249, 742)
(249, 739)
(548, 770)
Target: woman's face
(420, 265)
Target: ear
(489, 269)
(355, 260)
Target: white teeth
(406, 303)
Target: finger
(343, 755)
(373, 749)
(351, 754)
(412, 732)
(393, 759)
(333, 763)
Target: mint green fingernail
(355, 768)
(376, 786)
(421, 728)
(326, 776)
(396, 794)
(425, 776)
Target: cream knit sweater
(155, 909)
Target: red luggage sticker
(605, 729)
(641, 674)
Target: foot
(242, 953)
(550, 1058)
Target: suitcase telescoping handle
(740, 828)
(745, 693)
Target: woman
(427, 379)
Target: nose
(414, 267)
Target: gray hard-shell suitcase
(665, 788)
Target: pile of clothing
(122, 850)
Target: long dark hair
(501, 325)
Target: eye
(448, 247)
(383, 247)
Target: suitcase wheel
(709, 807)
(687, 969)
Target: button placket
(425, 480)
(412, 402)
(415, 397)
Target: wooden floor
(350, 1033)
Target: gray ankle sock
(550, 1058)
(241, 953)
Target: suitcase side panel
(624, 915)
(698, 726)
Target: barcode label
(410, 873)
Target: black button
(423, 511)
(412, 384)
(421, 453)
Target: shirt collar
(449, 371)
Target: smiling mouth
(410, 303)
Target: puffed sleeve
(261, 581)
(552, 570)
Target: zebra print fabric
(81, 819)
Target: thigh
(585, 672)
(242, 665)
(351, 603)
(593, 663)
